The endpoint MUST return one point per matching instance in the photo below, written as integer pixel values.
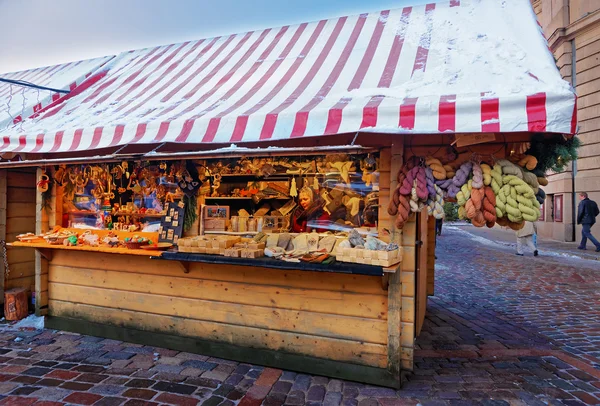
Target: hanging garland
(191, 211)
(47, 198)
(554, 153)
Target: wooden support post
(3, 208)
(41, 262)
(421, 276)
(432, 244)
(394, 322)
(385, 281)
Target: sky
(36, 33)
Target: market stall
(307, 253)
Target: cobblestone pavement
(501, 330)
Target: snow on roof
(459, 66)
(18, 102)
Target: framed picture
(215, 218)
(558, 208)
(216, 212)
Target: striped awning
(457, 67)
(18, 102)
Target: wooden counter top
(265, 262)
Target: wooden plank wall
(335, 316)
(431, 244)
(408, 280)
(20, 218)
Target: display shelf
(45, 246)
(84, 212)
(247, 198)
(287, 175)
(265, 262)
(232, 232)
(154, 215)
(228, 198)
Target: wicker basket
(134, 245)
(55, 240)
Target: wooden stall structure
(318, 97)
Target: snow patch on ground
(440, 267)
(31, 321)
(495, 244)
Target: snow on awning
(460, 66)
(19, 102)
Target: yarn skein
(435, 206)
(487, 174)
(407, 184)
(421, 184)
(438, 170)
(477, 176)
(403, 211)
(508, 168)
(450, 172)
(529, 162)
(489, 207)
(430, 182)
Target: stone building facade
(572, 28)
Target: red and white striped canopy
(457, 66)
(19, 102)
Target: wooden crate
(369, 257)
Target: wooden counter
(331, 324)
(266, 262)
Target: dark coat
(587, 212)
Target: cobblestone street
(500, 330)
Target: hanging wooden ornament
(43, 182)
(125, 167)
(60, 174)
(293, 188)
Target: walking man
(525, 238)
(586, 216)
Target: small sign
(462, 140)
(171, 224)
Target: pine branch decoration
(191, 212)
(553, 154)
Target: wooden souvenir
(15, 304)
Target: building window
(558, 208)
(542, 213)
(550, 207)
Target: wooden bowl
(55, 240)
(135, 245)
(161, 246)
